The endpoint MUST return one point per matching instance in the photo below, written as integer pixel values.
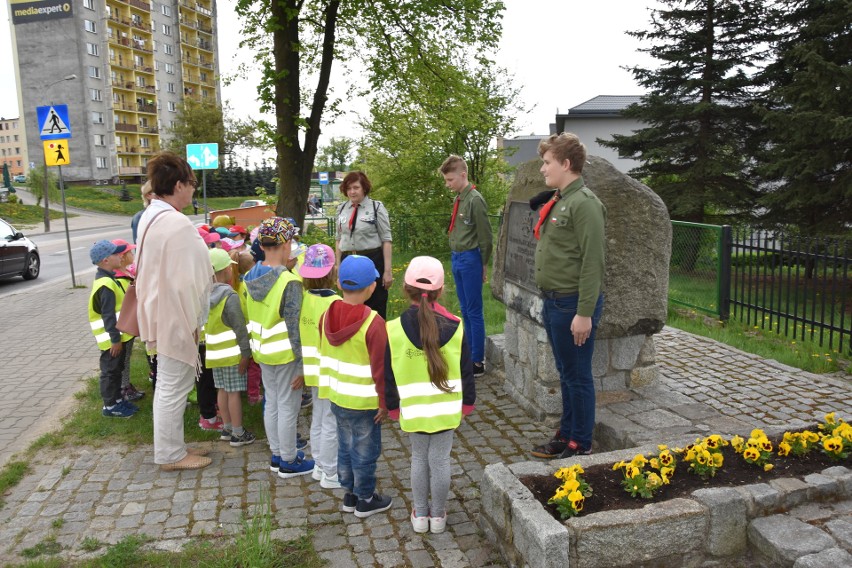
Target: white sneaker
(316, 474)
(419, 524)
(330, 482)
(438, 524)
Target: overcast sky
(561, 52)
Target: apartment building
(123, 67)
(13, 146)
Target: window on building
(17, 150)
(167, 10)
(154, 45)
(92, 48)
(101, 163)
(145, 142)
(97, 117)
(19, 163)
(156, 65)
(118, 141)
(203, 94)
(167, 30)
(90, 4)
(170, 68)
(172, 106)
(100, 139)
(96, 94)
(168, 49)
(94, 72)
(90, 26)
(16, 137)
(170, 87)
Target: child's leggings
(430, 472)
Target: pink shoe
(214, 424)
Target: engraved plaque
(519, 267)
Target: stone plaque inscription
(519, 266)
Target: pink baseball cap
(425, 272)
(319, 260)
(125, 243)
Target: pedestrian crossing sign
(53, 122)
(56, 153)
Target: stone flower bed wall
(712, 523)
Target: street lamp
(70, 77)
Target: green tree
(336, 155)
(297, 41)
(35, 184)
(699, 114)
(808, 119)
(202, 121)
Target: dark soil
(608, 493)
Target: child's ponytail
(430, 336)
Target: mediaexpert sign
(519, 263)
(26, 11)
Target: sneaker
(226, 434)
(275, 463)
(419, 524)
(295, 468)
(438, 524)
(118, 410)
(244, 440)
(551, 449)
(130, 405)
(301, 443)
(350, 501)
(332, 482)
(214, 424)
(131, 393)
(316, 474)
(377, 504)
(307, 399)
(574, 449)
(478, 369)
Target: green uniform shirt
(569, 258)
(472, 228)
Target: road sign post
(53, 124)
(203, 157)
(67, 232)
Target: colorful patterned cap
(276, 231)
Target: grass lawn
(23, 215)
(105, 199)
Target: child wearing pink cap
(429, 386)
(126, 274)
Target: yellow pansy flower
(751, 454)
(666, 458)
(577, 500)
(571, 485)
(833, 445)
(717, 460)
(784, 449)
(638, 460)
(829, 418)
(737, 443)
(654, 480)
(768, 467)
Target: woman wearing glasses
(172, 302)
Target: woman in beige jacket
(173, 290)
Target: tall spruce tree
(695, 147)
(808, 115)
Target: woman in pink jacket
(173, 291)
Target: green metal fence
(699, 271)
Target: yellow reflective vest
(422, 406)
(313, 307)
(346, 372)
(96, 322)
(222, 348)
(270, 340)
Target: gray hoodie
(291, 301)
(232, 314)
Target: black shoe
(350, 501)
(478, 369)
(551, 449)
(301, 443)
(377, 504)
(307, 400)
(574, 449)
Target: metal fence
(795, 286)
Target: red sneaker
(213, 424)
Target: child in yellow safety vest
(274, 304)
(429, 386)
(318, 277)
(125, 275)
(104, 309)
(352, 347)
(228, 352)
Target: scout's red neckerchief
(456, 210)
(543, 214)
(352, 218)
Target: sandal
(551, 449)
(189, 462)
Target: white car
(252, 203)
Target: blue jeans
(359, 445)
(467, 273)
(574, 365)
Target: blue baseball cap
(102, 249)
(357, 272)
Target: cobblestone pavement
(107, 493)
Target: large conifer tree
(808, 115)
(699, 113)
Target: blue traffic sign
(323, 178)
(203, 156)
(53, 123)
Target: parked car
(20, 178)
(252, 203)
(18, 255)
